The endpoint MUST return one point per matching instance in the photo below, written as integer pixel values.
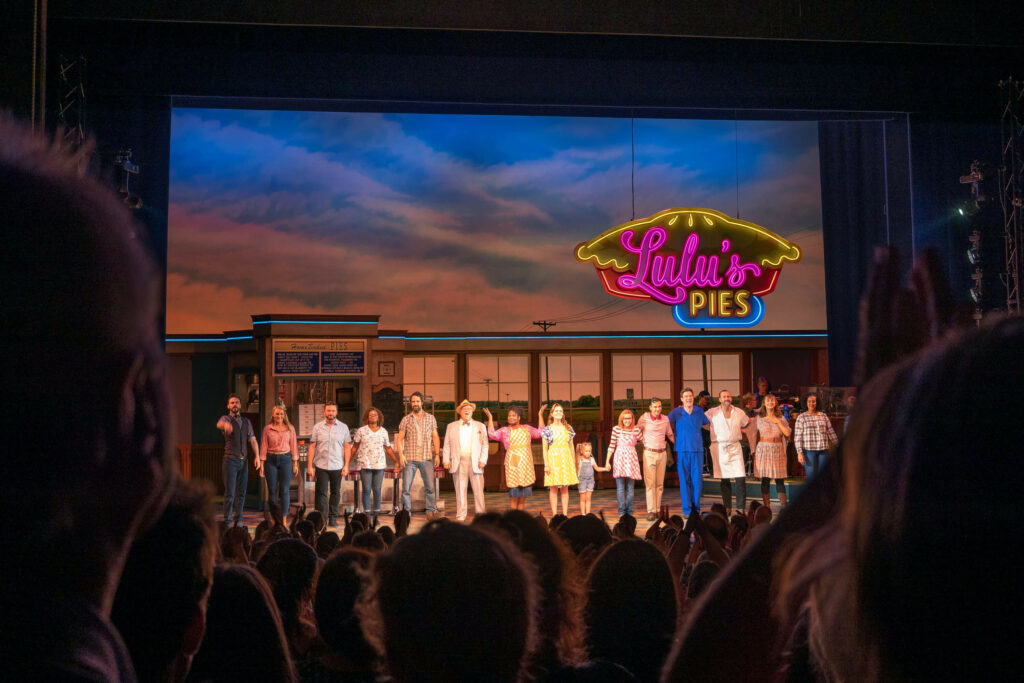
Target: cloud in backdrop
(462, 222)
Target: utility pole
(544, 325)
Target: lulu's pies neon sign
(711, 269)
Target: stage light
(960, 210)
(975, 291)
(974, 251)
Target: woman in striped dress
(559, 460)
(625, 464)
(516, 438)
(770, 454)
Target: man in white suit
(465, 454)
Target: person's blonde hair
(287, 422)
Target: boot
(766, 498)
(782, 498)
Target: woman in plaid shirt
(813, 436)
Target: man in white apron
(727, 425)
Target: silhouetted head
(83, 308)
(289, 566)
(338, 589)
(163, 628)
(631, 607)
(478, 593)
(240, 600)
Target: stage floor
(603, 502)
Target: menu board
(296, 363)
(309, 415)
(342, 362)
(335, 357)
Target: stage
(603, 503)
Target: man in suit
(465, 454)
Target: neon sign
(711, 269)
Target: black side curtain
(865, 201)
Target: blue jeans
(624, 494)
(813, 461)
(426, 470)
(690, 468)
(278, 468)
(236, 478)
(376, 478)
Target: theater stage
(603, 502)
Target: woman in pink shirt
(279, 453)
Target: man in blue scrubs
(687, 421)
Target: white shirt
(466, 436)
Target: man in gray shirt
(238, 435)
(330, 447)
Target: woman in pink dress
(770, 454)
(516, 438)
(625, 464)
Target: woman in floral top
(559, 460)
(371, 458)
(516, 438)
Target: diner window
(637, 378)
(712, 372)
(574, 382)
(497, 382)
(434, 377)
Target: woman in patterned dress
(559, 461)
(516, 438)
(372, 442)
(770, 454)
(625, 464)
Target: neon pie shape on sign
(711, 269)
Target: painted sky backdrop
(445, 222)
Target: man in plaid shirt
(418, 445)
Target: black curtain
(865, 201)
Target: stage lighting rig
(126, 169)
(978, 198)
(974, 251)
(976, 290)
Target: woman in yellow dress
(559, 461)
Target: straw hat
(465, 402)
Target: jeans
(813, 461)
(624, 494)
(278, 469)
(426, 470)
(375, 478)
(236, 478)
(323, 479)
(689, 467)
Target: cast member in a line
(516, 438)
(559, 461)
(374, 446)
(465, 454)
(419, 450)
(238, 436)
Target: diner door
(346, 395)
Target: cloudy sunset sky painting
(467, 223)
